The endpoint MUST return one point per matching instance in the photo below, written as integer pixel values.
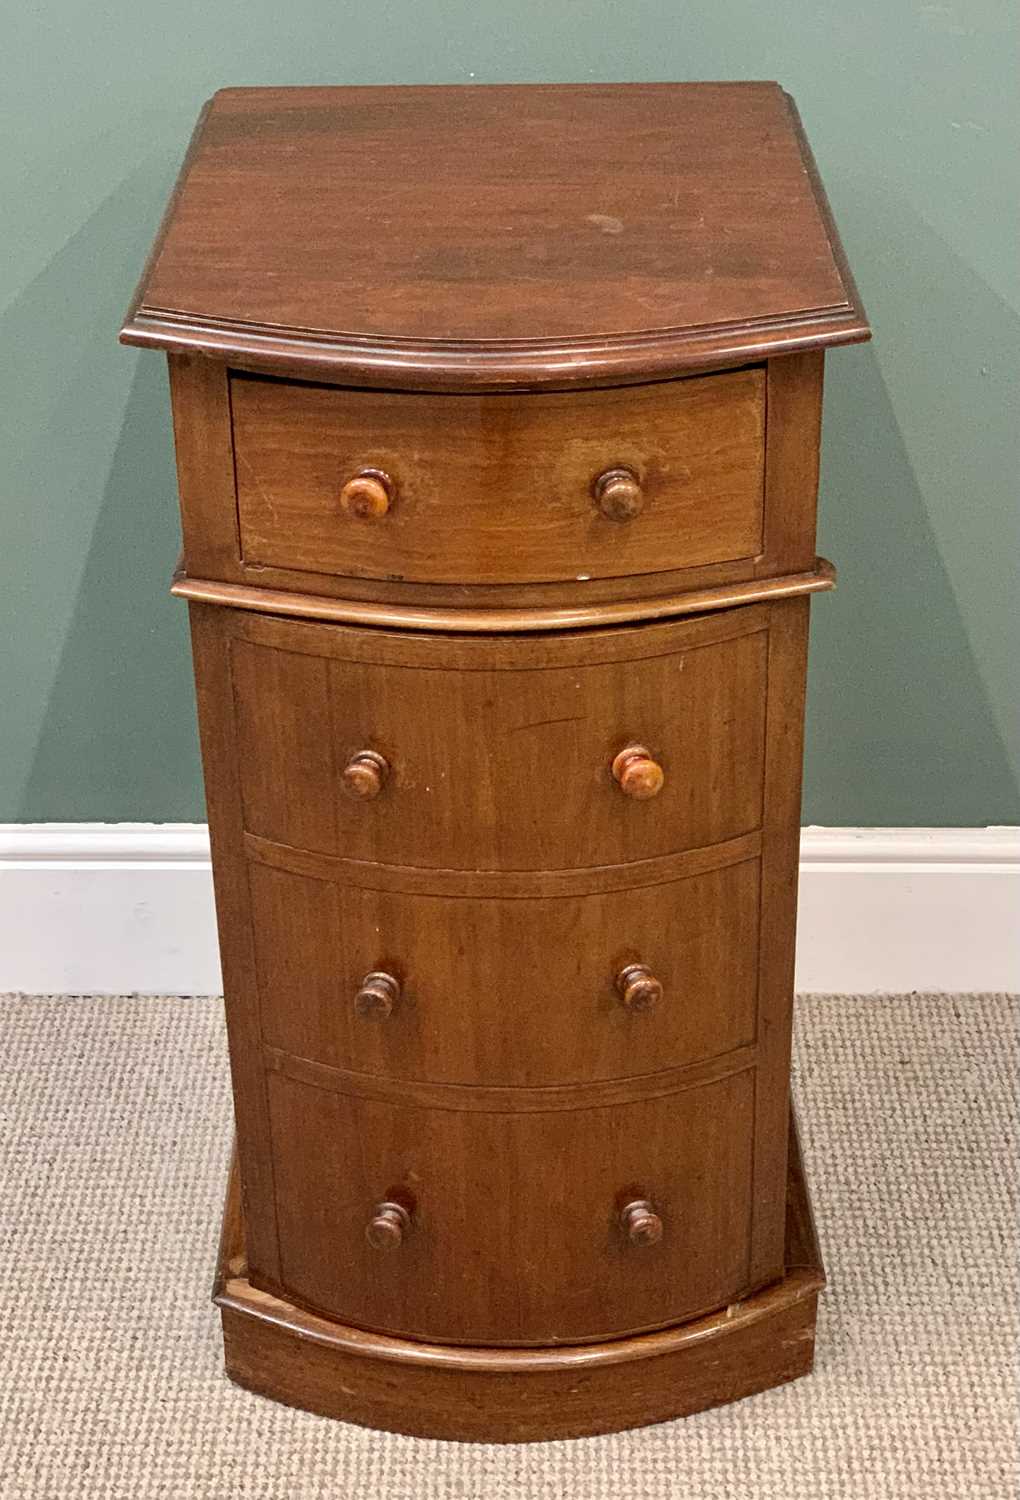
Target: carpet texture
(115, 1123)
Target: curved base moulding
(522, 1395)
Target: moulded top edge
(497, 237)
(451, 366)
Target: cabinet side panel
(200, 394)
(787, 660)
(210, 646)
(793, 418)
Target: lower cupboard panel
(514, 1233)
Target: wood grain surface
(496, 1197)
(509, 992)
(499, 488)
(520, 1394)
(505, 235)
(504, 769)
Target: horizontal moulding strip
(501, 621)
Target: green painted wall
(909, 110)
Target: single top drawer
(499, 488)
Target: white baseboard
(125, 908)
(107, 909)
(899, 909)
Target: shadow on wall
(115, 737)
(119, 728)
(900, 727)
(903, 727)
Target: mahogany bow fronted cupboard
(497, 419)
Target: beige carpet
(114, 1120)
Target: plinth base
(522, 1395)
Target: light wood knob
(367, 495)
(365, 774)
(618, 494)
(388, 1226)
(640, 1223)
(638, 987)
(377, 996)
(639, 775)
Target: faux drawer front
(501, 769)
(507, 992)
(500, 489)
(507, 1228)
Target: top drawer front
(500, 489)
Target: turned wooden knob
(377, 996)
(638, 774)
(618, 494)
(638, 987)
(365, 774)
(367, 495)
(640, 1223)
(388, 1226)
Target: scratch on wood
(545, 723)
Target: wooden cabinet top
(490, 237)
